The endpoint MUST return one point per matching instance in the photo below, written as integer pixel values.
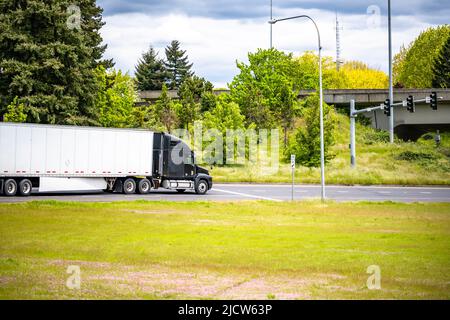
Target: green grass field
(248, 250)
(378, 162)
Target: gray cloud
(430, 11)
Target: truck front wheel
(129, 186)
(201, 187)
(25, 187)
(10, 188)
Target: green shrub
(15, 112)
(415, 156)
(374, 136)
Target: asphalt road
(274, 192)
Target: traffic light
(410, 105)
(387, 107)
(433, 100)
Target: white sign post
(293, 171)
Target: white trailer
(53, 158)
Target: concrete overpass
(407, 125)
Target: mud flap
(118, 186)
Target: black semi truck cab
(174, 166)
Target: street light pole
(391, 92)
(271, 17)
(322, 148)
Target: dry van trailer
(53, 158)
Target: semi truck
(54, 158)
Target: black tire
(25, 187)
(129, 186)
(201, 187)
(144, 186)
(10, 188)
(181, 190)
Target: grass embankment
(378, 162)
(224, 250)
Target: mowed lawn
(215, 250)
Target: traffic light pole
(352, 134)
(432, 100)
(396, 104)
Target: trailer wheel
(144, 186)
(25, 187)
(10, 188)
(201, 187)
(129, 186)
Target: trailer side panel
(67, 151)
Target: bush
(415, 156)
(15, 112)
(374, 136)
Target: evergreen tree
(165, 109)
(48, 53)
(441, 67)
(189, 109)
(194, 100)
(177, 65)
(150, 72)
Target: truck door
(177, 159)
(189, 165)
(173, 155)
(158, 148)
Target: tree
(194, 97)
(305, 143)
(48, 53)
(115, 98)
(189, 109)
(177, 65)
(208, 101)
(358, 75)
(351, 75)
(264, 89)
(146, 117)
(415, 67)
(226, 115)
(398, 66)
(197, 86)
(307, 72)
(201, 90)
(441, 68)
(165, 110)
(150, 72)
(15, 112)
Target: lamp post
(391, 92)
(322, 151)
(271, 17)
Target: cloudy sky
(217, 33)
